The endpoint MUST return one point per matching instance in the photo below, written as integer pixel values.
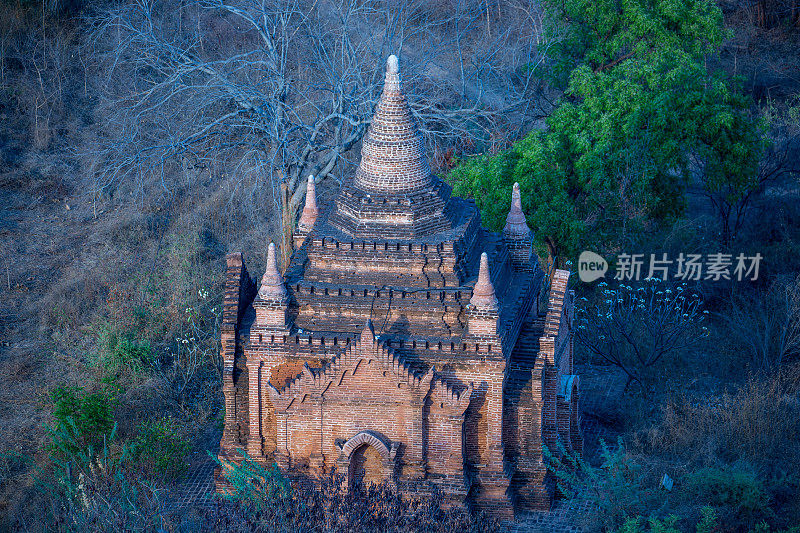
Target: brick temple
(404, 342)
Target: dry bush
(790, 377)
(620, 486)
(735, 450)
(759, 423)
(765, 14)
(766, 325)
(330, 509)
(162, 321)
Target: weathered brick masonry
(404, 342)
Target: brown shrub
(327, 507)
(758, 423)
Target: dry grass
(734, 450)
(752, 432)
(759, 422)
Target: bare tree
(767, 324)
(636, 328)
(280, 89)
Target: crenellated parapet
(440, 261)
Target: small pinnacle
(368, 333)
(272, 282)
(516, 226)
(310, 210)
(483, 296)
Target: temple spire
(516, 225)
(310, 210)
(483, 296)
(393, 159)
(272, 282)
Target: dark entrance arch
(367, 458)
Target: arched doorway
(368, 457)
(366, 466)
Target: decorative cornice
(368, 347)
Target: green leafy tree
(639, 114)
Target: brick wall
(240, 290)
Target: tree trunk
(287, 227)
(552, 252)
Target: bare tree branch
(277, 90)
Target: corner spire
(516, 226)
(310, 210)
(483, 296)
(272, 282)
(517, 235)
